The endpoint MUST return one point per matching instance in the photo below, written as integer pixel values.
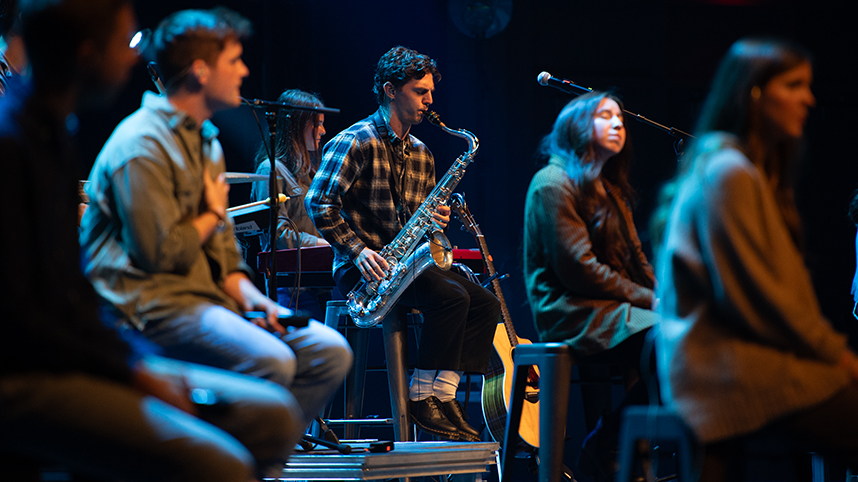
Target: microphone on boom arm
(547, 80)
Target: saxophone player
(373, 177)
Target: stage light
(140, 40)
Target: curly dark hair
(188, 35)
(397, 66)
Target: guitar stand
(308, 443)
(533, 466)
(330, 440)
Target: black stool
(656, 424)
(555, 372)
(395, 337)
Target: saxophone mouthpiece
(433, 118)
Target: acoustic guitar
(497, 383)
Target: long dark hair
(853, 208)
(730, 116)
(290, 147)
(571, 139)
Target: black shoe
(456, 414)
(429, 416)
(598, 456)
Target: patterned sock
(421, 384)
(446, 384)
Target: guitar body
(497, 393)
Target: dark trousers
(829, 428)
(624, 358)
(459, 318)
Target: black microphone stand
(572, 88)
(273, 203)
(271, 111)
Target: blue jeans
(311, 362)
(108, 429)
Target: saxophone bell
(441, 250)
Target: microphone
(281, 198)
(152, 67)
(545, 79)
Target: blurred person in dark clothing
(71, 390)
(13, 59)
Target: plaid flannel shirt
(5, 71)
(353, 197)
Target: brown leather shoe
(429, 416)
(456, 414)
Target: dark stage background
(658, 55)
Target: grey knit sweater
(742, 339)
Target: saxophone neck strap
(397, 152)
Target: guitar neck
(490, 268)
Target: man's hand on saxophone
(441, 217)
(371, 265)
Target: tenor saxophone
(416, 247)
